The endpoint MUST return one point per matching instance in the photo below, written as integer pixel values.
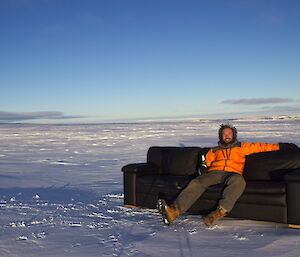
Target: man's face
(227, 135)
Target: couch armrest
(131, 172)
(292, 180)
(293, 176)
(145, 168)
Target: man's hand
(203, 170)
(288, 146)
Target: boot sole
(207, 222)
(210, 223)
(161, 207)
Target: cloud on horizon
(24, 116)
(258, 101)
(293, 108)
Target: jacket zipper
(226, 157)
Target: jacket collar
(220, 146)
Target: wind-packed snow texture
(61, 193)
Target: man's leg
(189, 195)
(234, 187)
(196, 188)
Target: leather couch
(272, 183)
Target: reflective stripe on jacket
(232, 159)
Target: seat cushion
(265, 212)
(256, 187)
(258, 192)
(178, 161)
(155, 184)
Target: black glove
(287, 146)
(203, 170)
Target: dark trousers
(234, 187)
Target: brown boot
(169, 213)
(212, 218)
(172, 213)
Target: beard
(227, 142)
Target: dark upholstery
(174, 160)
(272, 183)
(270, 165)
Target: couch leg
(130, 206)
(293, 226)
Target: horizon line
(169, 119)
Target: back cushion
(271, 165)
(180, 161)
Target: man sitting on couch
(225, 164)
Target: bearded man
(225, 164)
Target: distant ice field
(61, 192)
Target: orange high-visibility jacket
(232, 159)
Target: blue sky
(70, 60)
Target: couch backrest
(185, 161)
(181, 161)
(271, 165)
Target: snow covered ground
(61, 193)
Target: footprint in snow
(192, 231)
(36, 196)
(22, 238)
(74, 224)
(239, 238)
(214, 227)
(18, 224)
(40, 235)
